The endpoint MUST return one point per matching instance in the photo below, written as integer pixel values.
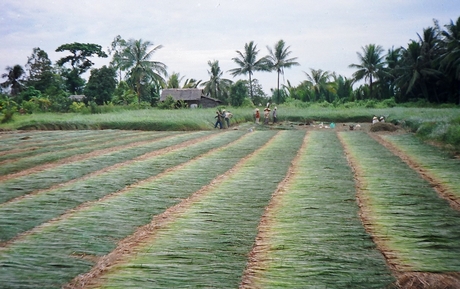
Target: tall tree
(371, 64)
(451, 58)
(279, 60)
(116, 49)
(136, 58)
(248, 63)
(319, 82)
(14, 79)
(80, 54)
(174, 80)
(79, 61)
(101, 85)
(216, 86)
(40, 70)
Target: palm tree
(371, 64)
(451, 58)
(136, 58)
(216, 86)
(319, 82)
(278, 60)
(415, 70)
(191, 83)
(13, 79)
(174, 80)
(248, 63)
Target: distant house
(77, 97)
(192, 96)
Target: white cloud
(322, 34)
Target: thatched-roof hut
(191, 96)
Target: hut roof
(182, 93)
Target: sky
(325, 34)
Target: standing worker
(218, 119)
(266, 115)
(274, 114)
(227, 116)
(257, 115)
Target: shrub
(168, 103)
(76, 106)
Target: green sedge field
(323, 208)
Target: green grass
(77, 147)
(57, 142)
(408, 215)
(20, 186)
(440, 164)
(316, 237)
(44, 259)
(207, 246)
(26, 213)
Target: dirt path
(406, 278)
(127, 247)
(257, 257)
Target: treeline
(428, 70)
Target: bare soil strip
(257, 258)
(437, 185)
(406, 279)
(127, 247)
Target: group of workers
(376, 119)
(266, 115)
(223, 115)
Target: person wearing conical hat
(257, 115)
(266, 115)
(375, 119)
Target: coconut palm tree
(216, 86)
(14, 79)
(319, 81)
(136, 58)
(278, 60)
(248, 63)
(174, 80)
(372, 61)
(451, 58)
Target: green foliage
(80, 53)
(247, 102)
(101, 85)
(168, 103)
(238, 92)
(77, 107)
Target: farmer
(382, 119)
(218, 118)
(274, 114)
(257, 115)
(266, 115)
(375, 120)
(227, 116)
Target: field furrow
(78, 150)
(438, 167)
(22, 215)
(45, 177)
(57, 142)
(206, 245)
(415, 229)
(311, 235)
(60, 250)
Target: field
(286, 208)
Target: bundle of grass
(423, 280)
(383, 126)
